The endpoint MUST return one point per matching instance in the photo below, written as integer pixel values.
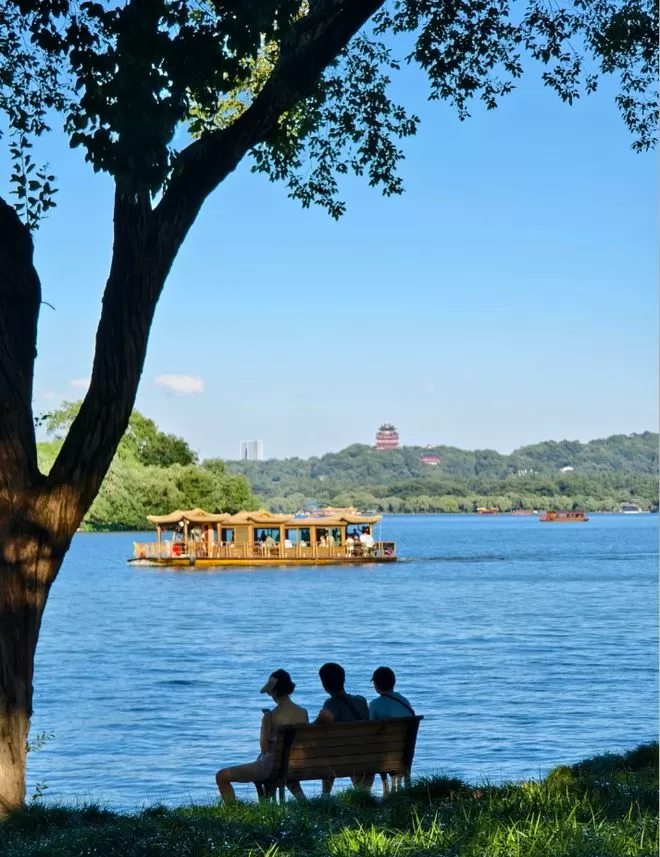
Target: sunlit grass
(601, 807)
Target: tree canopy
(142, 441)
(153, 473)
(124, 77)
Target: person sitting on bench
(388, 703)
(340, 707)
(286, 713)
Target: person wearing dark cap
(286, 713)
(388, 703)
(339, 707)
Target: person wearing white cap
(286, 713)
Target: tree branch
(313, 43)
(20, 298)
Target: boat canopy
(260, 518)
(189, 516)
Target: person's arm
(266, 728)
(325, 716)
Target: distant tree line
(604, 473)
(155, 473)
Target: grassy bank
(601, 807)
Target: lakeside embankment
(605, 806)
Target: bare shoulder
(289, 715)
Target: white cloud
(181, 385)
(80, 383)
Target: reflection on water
(524, 645)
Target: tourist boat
(631, 509)
(564, 516)
(203, 540)
(492, 510)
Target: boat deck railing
(232, 550)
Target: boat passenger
(286, 713)
(367, 540)
(350, 545)
(339, 707)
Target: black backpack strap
(400, 701)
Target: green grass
(602, 807)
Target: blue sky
(509, 296)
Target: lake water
(524, 645)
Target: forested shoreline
(155, 473)
(598, 476)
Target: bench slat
(348, 764)
(307, 751)
(311, 752)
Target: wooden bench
(363, 747)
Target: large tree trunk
(30, 557)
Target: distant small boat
(631, 509)
(573, 516)
(493, 510)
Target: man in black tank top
(339, 707)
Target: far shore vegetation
(155, 473)
(606, 806)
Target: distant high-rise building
(387, 437)
(252, 450)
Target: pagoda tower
(387, 437)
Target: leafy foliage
(124, 76)
(142, 440)
(153, 473)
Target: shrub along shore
(603, 807)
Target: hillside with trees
(604, 474)
(152, 473)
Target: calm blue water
(524, 645)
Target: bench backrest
(311, 752)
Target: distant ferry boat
(493, 510)
(202, 539)
(631, 509)
(564, 516)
